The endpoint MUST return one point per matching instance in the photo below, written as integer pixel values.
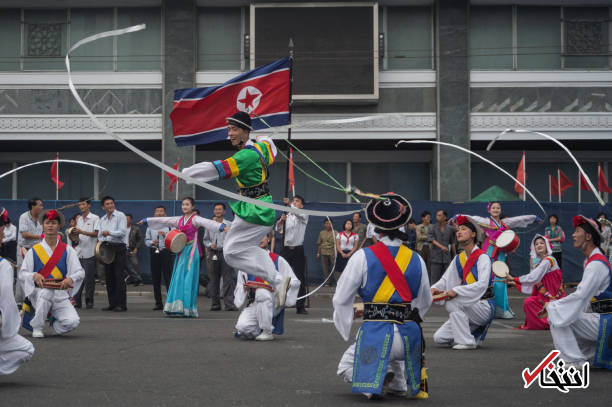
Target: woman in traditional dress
(493, 226)
(183, 291)
(347, 243)
(544, 282)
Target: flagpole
(290, 111)
(579, 186)
(549, 189)
(57, 177)
(524, 176)
(559, 182)
(177, 187)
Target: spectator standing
(113, 230)
(30, 231)
(422, 242)
(411, 233)
(217, 268)
(326, 249)
(134, 242)
(203, 277)
(442, 238)
(347, 243)
(606, 232)
(293, 246)
(87, 231)
(556, 237)
(360, 229)
(8, 245)
(161, 258)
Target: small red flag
(602, 184)
(173, 178)
(521, 175)
(55, 175)
(554, 186)
(565, 181)
(583, 183)
(290, 171)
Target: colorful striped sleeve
(227, 168)
(267, 150)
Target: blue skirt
(183, 291)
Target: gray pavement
(141, 358)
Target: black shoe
(78, 305)
(89, 305)
(232, 308)
(158, 308)
(109, 308)
(302, 311)
(215, 308)
(120, 309)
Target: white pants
(13, 352)
(396, 364)
(257, 317)
(577, 341)
(58, 303)
(241, 251)
(460, 322)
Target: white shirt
(295, 229)
(10, 233)
(347, 242)
(537, 274)
(87, 245)
(152, 234)
(595, 279)
(215, 236)
(30, 225)
(116, 225)
(355, 276)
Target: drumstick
(440, 296)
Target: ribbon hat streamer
(159, 164)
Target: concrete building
(461, 71)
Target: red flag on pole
(173, 178)
(290, 174)
(583, 183)
(521, 175)
(55, 174)
(602, 184)
(565, 181)
(554, 185)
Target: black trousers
(9, 250)
(296, 259)
(559, 257)
(89, 284)
(217, 269)
(114, 274)
(161, 266)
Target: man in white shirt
(112, 229)
(217, 267)
(293, 246)
(161, 258)
(29, 234)
(87, 230)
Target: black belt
(489, 294)
(389, 312)
(256, 191)
(602, 306)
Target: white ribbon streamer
(160, 164)
(476, 155)
(51, 161)
(588, 180)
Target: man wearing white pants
(249, 166)
(259, 320)
(467, 282)
(578, 335)
(14, 348)
(50, 274)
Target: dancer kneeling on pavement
(468, 284)
(50, 274)
(260, 319)
(387, 356)
(14, 348)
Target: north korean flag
(199, 114)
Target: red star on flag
(248, 100)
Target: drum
(175, 241)
(500, 269)
(254, 285)
(507, 241)
(72, 236)
(440, 297)
(105, 253)
(52, 284)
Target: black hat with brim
(390, 211)
(240, 119)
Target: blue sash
(603, 350)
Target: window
(491, 37)
(220, 38)
(408, 35)
(38, 39)
(538, 37)
(586, 37)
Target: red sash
(470, 262)
(599, 257)
(59, 251)
(392, 270)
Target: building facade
(456, 71)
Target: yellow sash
(387, 289)
(44, 258)
(463, 258)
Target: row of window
(500, 37)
